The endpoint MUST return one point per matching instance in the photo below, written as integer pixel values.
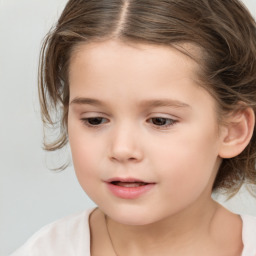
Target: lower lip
(129, 192)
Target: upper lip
(128, 179)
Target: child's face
(137, 113)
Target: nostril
(125, 152)
(132, 158)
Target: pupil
(159, 121)
(95, 121)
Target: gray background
(31, 195)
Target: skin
(180, 154)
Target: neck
(179, 232)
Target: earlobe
(237, 133)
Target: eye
(162, 122)
(94, 121)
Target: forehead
(131, 73)
(134, 58)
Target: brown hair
(224, 30)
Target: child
(157, 101)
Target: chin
(133, 216)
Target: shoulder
(249, 235)
(67, 236)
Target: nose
(125, 145)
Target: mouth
(128, 188)
(129, 184)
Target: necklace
(109, 236)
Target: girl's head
(216, 38)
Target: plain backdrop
(30, 194)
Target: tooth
(130, 184)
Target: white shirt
(70, 236)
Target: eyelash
(170, 122)
(86, 121)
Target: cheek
(83, 150)
(85, 162)
(87, 156)
(189, 160)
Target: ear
(236, 133)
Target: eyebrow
(145, 104)
(164, 103)
(86, 101)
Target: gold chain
(112, 244)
